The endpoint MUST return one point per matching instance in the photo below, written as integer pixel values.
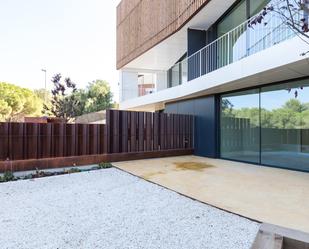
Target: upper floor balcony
(243, 42)
(246, 39)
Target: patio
(264, 194)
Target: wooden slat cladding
(141, 24)
(124, 132)
(146, 131)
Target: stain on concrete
(196, 166)
(148, 176)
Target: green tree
(64, 101)
(45, 97)
(68, 102)
(96, 97)
(5, 110)
(17, 102)
(295, 105)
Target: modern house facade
(248, 86)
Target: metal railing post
(200, 53)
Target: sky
(76, 38)
(270, 100)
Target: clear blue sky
(74, 37)
(269, 100)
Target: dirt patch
(148, 176)
(196, 166)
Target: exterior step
(275, 237)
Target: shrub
(105, 165)
(74, 170)
(7, 176)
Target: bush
(105, 165)
(73, 170)
(7, 176)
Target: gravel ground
(112, 209)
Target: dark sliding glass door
(240, 131)
(268, 125)
(285, 125)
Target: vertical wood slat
(133, 132)
(4, 141)
(129, 132)
(58, 134)
(107, 132)
(31, 140)
(103, 141)
(115, 131)
(141, 131)
(161, 132)
(16, 137)
(176, 127)
(124, 132)
(94, 134)
(149, 128)
(45, 135)
(189, 128)
(156, 128)
(181, 130)
(70, 140)
(170, 131)
(82, 137)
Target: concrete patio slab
(265, 194)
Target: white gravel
(112, 209)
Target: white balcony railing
(242, 41)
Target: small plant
(73, 170)
(7, 177)
(39, 173)
(104, 165)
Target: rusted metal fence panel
(144, 131)
(124, 132)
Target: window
(285, 125)
(257, 5)
(268, 125)
(241, 41)
(234, 18)
(240, 132)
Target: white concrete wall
(161, 80)
(128, 85)
(280, 62)
(129, 82)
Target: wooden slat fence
(142, 131)
(124, 132)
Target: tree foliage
(64, 103)
(44, 96)
(293, 114)
(67, 101)
(96, 97)
(17, 102)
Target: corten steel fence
(124, 133)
